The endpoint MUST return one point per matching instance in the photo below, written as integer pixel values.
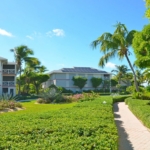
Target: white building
(63, 77)
(8, 72)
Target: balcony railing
(8, 83)
(8, 71)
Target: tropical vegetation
(86, 125)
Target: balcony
(8, 83)
(8, 71)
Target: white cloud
(110, 65)
(5, 33)
(30, 37)
(56, 32)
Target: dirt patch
(10, 110)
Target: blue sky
(60, 31)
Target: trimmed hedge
(120, 98)
(141, 109)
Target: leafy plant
(79, 81)
(96, 82)
(49, 94)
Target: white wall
(65, 80)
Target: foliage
(113, 82)
(120, 98)
(64, 90)
(116, 44)
(38, 79)
(141, 95)
(49, 95)
(89, 96)
(141, 47)
(96, 82)
(7, 101)
(22, 54)
(79, 81)
(141, 110)
(148, 88)
(147, 13)
(130, 89)
(87, 125)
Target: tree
(114, 44)
(22, 55)
(120, 72)
(96, 82)
(146, 75)
(147, 13)
(79, 81)
(141, 46)
(37, 79)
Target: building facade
(63, 77)
(8, 71)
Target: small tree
(96, 82)
(37, 79)
(79, 81)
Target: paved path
(132, 134)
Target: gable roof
(79, 70)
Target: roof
(2, 58)
(79, 70)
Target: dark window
(8, 78)
(5, 90)
(8, 66)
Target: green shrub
(141, 95)
(120, 98)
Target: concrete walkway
(132, 134)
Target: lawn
(86, 125)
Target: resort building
(63, 77)
(8, 72)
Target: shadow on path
(124, 142)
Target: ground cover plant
(7, 102)
(86, 125)
(141, 109)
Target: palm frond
(104, 59)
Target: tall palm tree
(121, 72)
(114, 44)
(22, 54)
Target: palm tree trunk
(19, 81)
(135, 80)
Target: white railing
(8, 71)
(8, 83)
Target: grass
(141, 109)
(86, 125)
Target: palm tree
(114, 44)
(22, 55)
(121, 72)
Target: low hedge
(141, 109)
(120, 98)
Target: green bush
(120, 98)
(141, 95)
